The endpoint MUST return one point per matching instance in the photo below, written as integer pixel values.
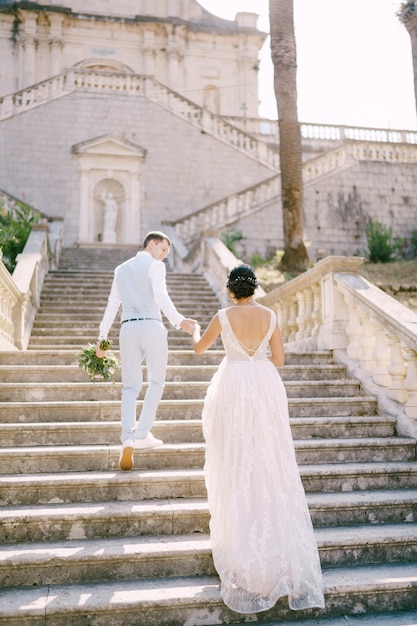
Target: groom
(139, 285)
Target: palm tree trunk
(407, 14)
(284, 58)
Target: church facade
(92, 128)
(211, 61)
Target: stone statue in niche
(110, 217)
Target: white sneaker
(148, 442)
(126, 455)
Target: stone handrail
(11, 301)
(332, 307)
(227, 210)
(20, 292)
(138, 85)
(328, 132)
(216, 262)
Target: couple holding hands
(261, 533)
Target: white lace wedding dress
(261, 533)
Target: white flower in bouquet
(105, 367)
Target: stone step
(144, 530)
(93, 305)
(194, 389)
(196, 600)
(77, 292)
(71, 342)
(81, 276)
(29, 564)
(109, 410)
(32, 412)
(193, 370)
(63, 374)
(84, 487)
(182, 430)
(101, 457)
(391, 618)
(91, 520)
(84, 300)
(58, 357)
(62, 322)
(61, 358)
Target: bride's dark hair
(242, 281)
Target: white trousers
(142, 341)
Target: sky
(353, 58)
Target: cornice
(208, 23)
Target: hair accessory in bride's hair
(247, 279)
(242, 281)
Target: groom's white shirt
(139, 285)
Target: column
(55, 56)
(149, 53)
(173, 63)
(55, 43)
(29, 45)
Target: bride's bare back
(249, 323)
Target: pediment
(109, 145)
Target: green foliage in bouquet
(96, 367)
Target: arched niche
(109, 173)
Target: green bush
(229, 237)
(413, 244)
(381, 247)
(257, 260)
(15, 227)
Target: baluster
(367, 342)
(309, 304)
(292, 317)
(410, 382)
(316, 312)
(397, 370)
(353, 331)
(283, 312)
(381, 356)
(301, 316)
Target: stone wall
(337, 209)
(181, 169)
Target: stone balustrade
(332, 307)
(331, 161)
(20, 292)
(216, 262)
(228, 210)
(11, 300)
(387, 153)
(138, 85)
(326, 132)
(243, 133)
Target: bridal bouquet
(95, 367)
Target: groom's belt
(139, 319)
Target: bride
(261, 533)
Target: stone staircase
(83, 543)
